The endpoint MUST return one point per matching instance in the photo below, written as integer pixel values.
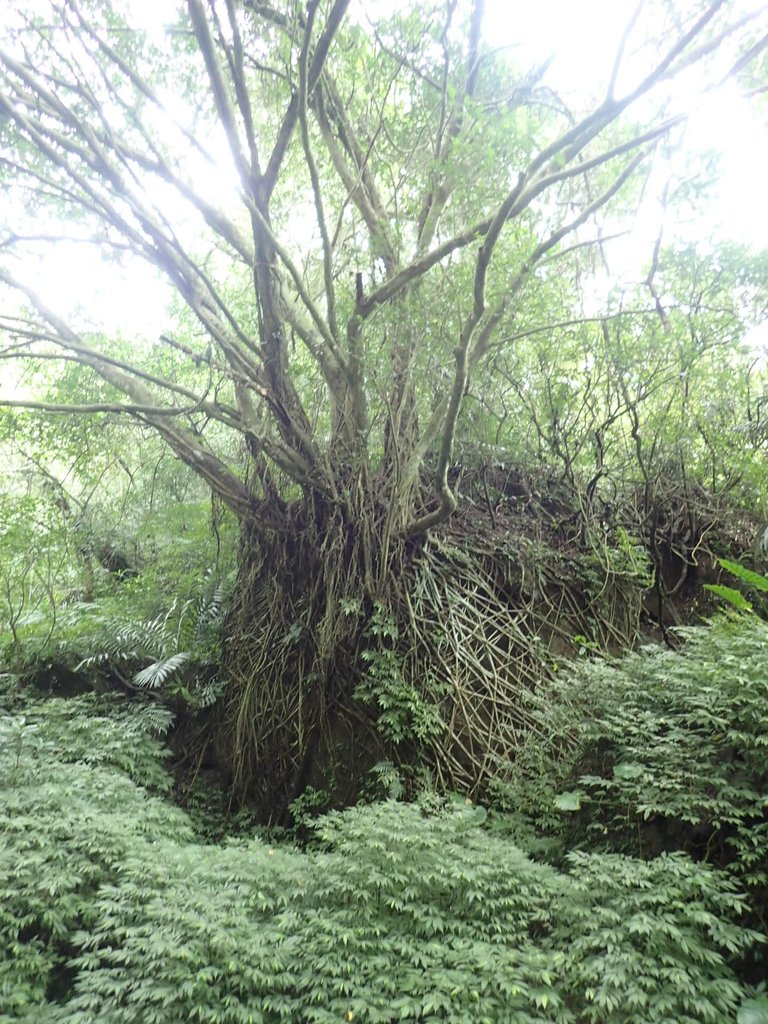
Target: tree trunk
(292, 658)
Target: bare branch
(420, 266)
(319, 57)
(450, 126)
(249, 171)
(97, 407)
(650, 281)
(237, 72)
(484, 337)
(330, 288)
(621, 47)
(339, 139)
(188, 446)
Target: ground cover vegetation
(365, 534)
(638, 897)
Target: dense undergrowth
(621, 876)
(660, 750)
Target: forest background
(448, 389)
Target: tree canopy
(394, 195)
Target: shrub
(111, 913)
(404, 915)
(662, 750)
(70, 813)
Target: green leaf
(157, 673)
(569, 801)
(733, 597)
(754, 579)
(753, 1011)
(628, 770)
(479, 815)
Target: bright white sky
(582, 37)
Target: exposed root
(344, 648)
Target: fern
(159, 672)
(406, 916)
(181, 646)
(752, 579)
(75, 798)
(110, 911)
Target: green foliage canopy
(395, 195)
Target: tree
(401, 191)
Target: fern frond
(209, 693)
(159, 672)
(210, 608)
(186, 626)
(112, 652)
(155, 718)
